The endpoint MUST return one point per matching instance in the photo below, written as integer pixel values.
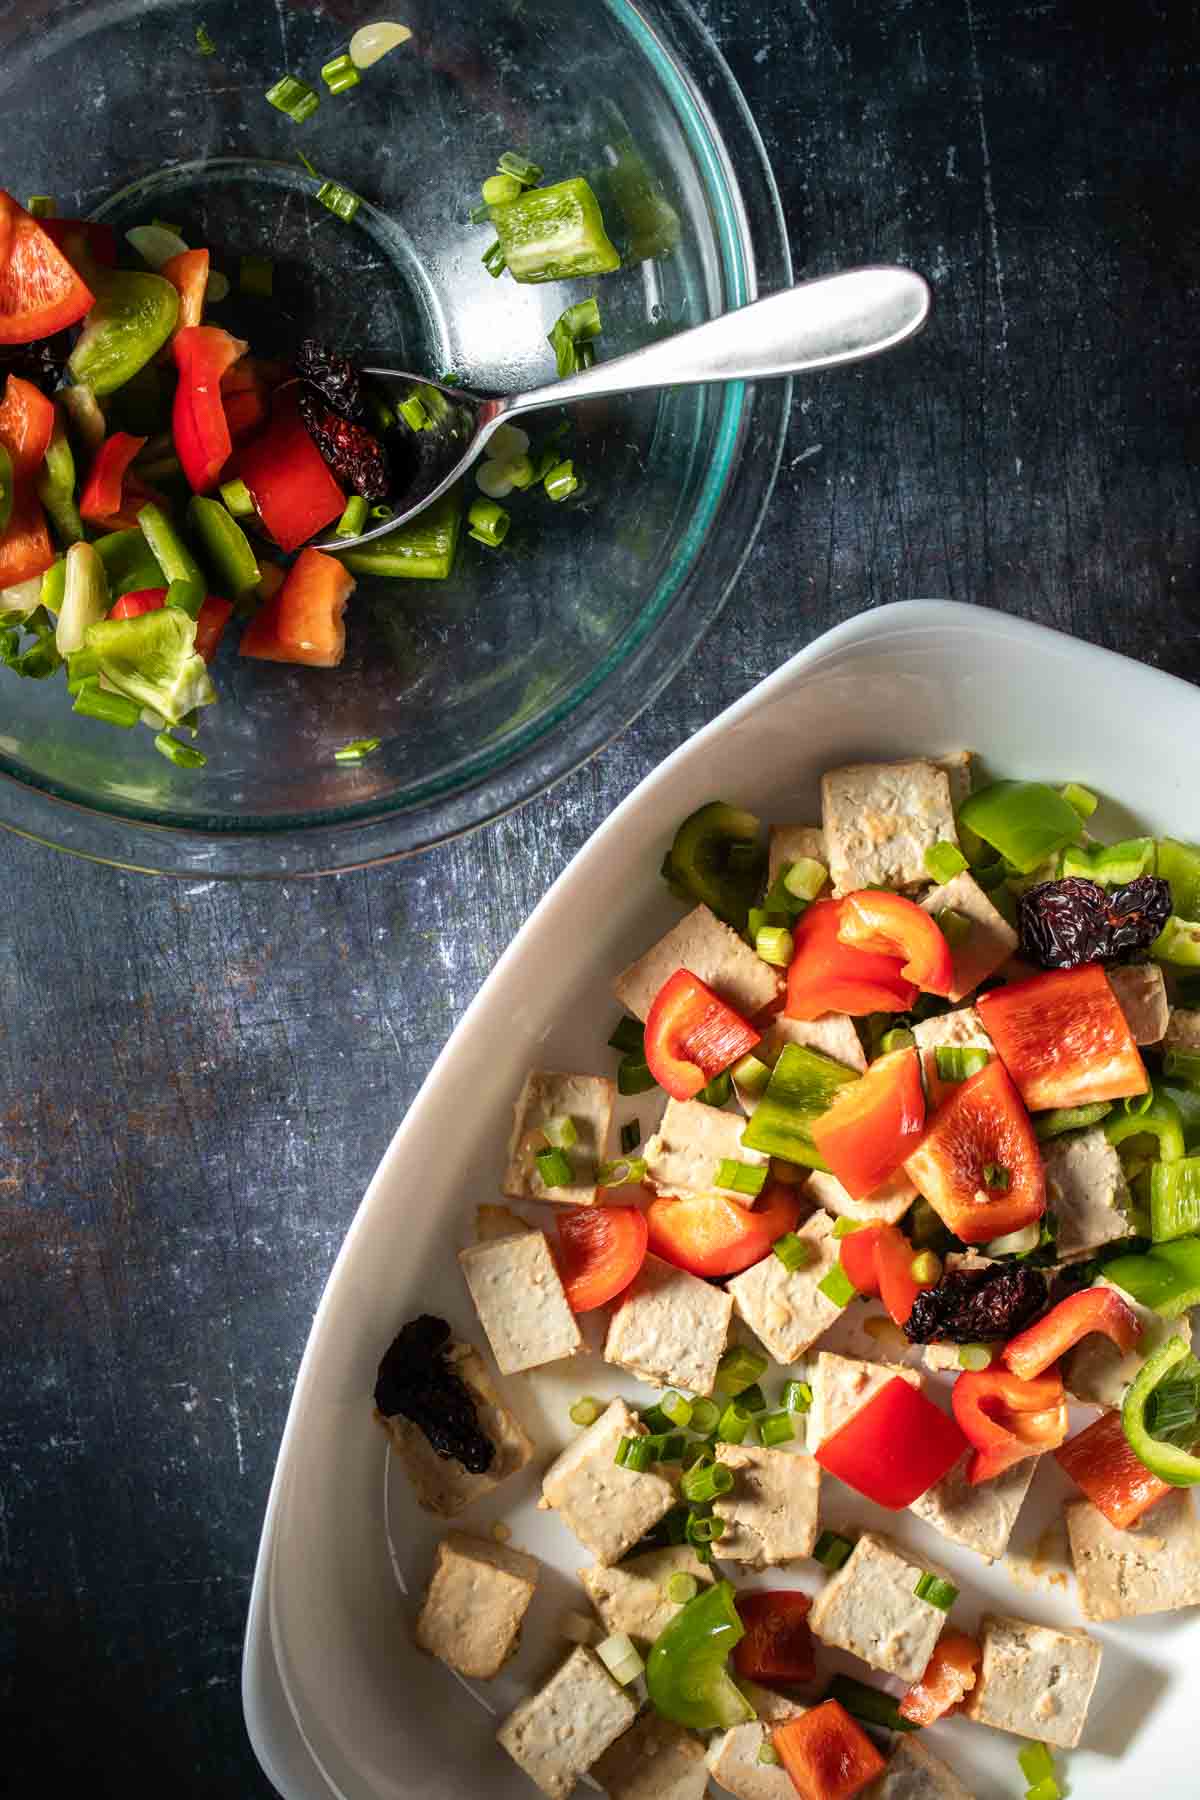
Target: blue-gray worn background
(196, 1081)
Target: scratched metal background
(196, 1081)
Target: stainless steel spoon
(817, 325)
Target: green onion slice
(339, 74)
(793, 1251)
(585, 1411)
(240, 500)
(520, 168)
(488, 523)
(338, 200)
(705, 1415)
(936, 1591)
(974, 1357)
(1037, 1764)
(704, 1483)
(625, 1172)
(897, 1039)
(681, 1588)
(356, 751)
(738, 1369)
(734, 1423)
(620, 1658)
(776, 1428)
(831, 1550)
(957, 1062)
(674, 1407)
(797, 1396)
(837, 1286)
(295, 98)
(774, 944)
(554, 1168)
(561, 1132)
(944, 861)
(740, 1177)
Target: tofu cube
(1034, 1680)
(713, 951)
(670, 1328)
(887, 1204)
(957, 769)
(1098, 1373)
(587, 1100)
(521, 1302)
(879, 819)
(789, 844)
(654, 1761)
(1152, 1567)
(478, 1595)
(980, 1518)
(632, 1598)
(770, 1513)
(441, 1483)
(963, 1027)
(1142, 996)
(786, 1312)
(842, 1386)
(692, 1138)
(608, 1508)
(869, 1607)
(557, 1734)
(733, 1759)
(990, 941)
(1183, 1030)
(1087, 1192)
(915, 1773)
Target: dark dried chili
(335, 378)
(417, 1381)
(1066, 923)
(357, 458)
(977, 1306)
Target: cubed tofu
(842, 1386)
(786, 1312)
(957, 769)
(654, 1761)
(497, 1222)
(1034, 1680)
(521, 1302)
(988, 944)
(981, 1518)
(1152, 1567)
(632, 1598)
(711, 950)
(442, 1485)
(557, 1734)
(733, 1759)
(1098, 1373)
(962, 1028)
(1087, 1192)
(789, 843)
(683, 1154)
(1183, 1030)
(770, 1513)
(1142, 996)
(879, 819)
(884, 1207)
(670, 1328)
(915, 1773)
(587, 1100)
(478, 1595)
(608, 1508)
(869, 1608)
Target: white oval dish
(336, 1698)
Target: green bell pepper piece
(1187, 1100)
(1170, 1462)
(226, 548)
(1061, 1119)
(869, 1705)
(1179, 864)
(554, 233)
(168, 548)
(56, 483)
(128, 563)
(6, 488)
(715, 859)
(152, 659)
(1178, 943)
(54, 585)
(1175, 1198)
(1025, 821)
(134, 315)
(1112, 865)
(422, 550)
(1166, 1279)
(803, 1085)
(686, 1676)
(1161, 1119)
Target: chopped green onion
(656, 1421)
(487, 523)
(295, 98)
(631, 1136)
(633, 1076)
(793, 1251)
(671, 1447)
(955, 927)
(797, 1396)
(498, 190)
(705, 1415)
(353, 521)
(974, 1357)
(752, 1399)
(868, 1704)
(774, 944)
(733, 1424)
(620, 1658)
(681, 1588)
(676, 1408)
(837, 1286)
(382, 511)
(561, 1132)
(339, 74)
(628, 1036)
(338, 199)
(704, 1531)
(702, 1484)
(1061, 1119)
(636, 1453)
(1138, 1105)
(256, 275)
(717, 1091)
(956, 1062)
(843, 1227)
(805, 878)
(302, 158)
(95, 702)
(355, 752)
(776, 1428)
(561, 481)
(937, 1592)
(572, 335)
(240, 500)
(926, 1268)
(1045, 1790)
(41, 206)
(896, 1039)
(526, 172)
(1175, 1199)
(740, 1177)
(944, 861)
(493, 260)
(585, 1411)
(554, 1168)
(831, 1550)
(767, 1753)
(204, 43)
(752, 1076)
(738, 1369)
(995, 1175)
(1085, 804)
(414, 414)
(625, 1172)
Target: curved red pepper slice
(778, 1644)
(203, 353)
(981, 1124)
(895, 1448)
(949, 1676)
(711, 1235)
(1006, 1419)
(874, 1124)
(40, 292)
(25, 547)
(1103, 1462)
(1064, 1039)
(600, 1250)
(103, 493)
(827, 975)
(878, 1260)
(856, 1254)
(1095, 1309)
(26, 426)
(293, 488)
(891, 925)
(691, 1035)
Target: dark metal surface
(197, 1080)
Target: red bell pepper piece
(827, 1753)
(711, 1235)
(874, 1124)
(857, 1256)
(102, 498)
(245, 391)
(890, 925)
(1094, 1309)
(895, 1448)
(188, 275)
(293, 488)
(40, 292)
(25, 547)
(26, 426)
(1006, 1419)
(691, 1035)
(827, 975)
(949, 1676)
(141, 600)
(600, 1250)
(202, 355)
(304, 622)
(981, 1124)
(778, 1644)
(213, 617)
(1102, 1462)
(878, 1260)
(1064, 1038)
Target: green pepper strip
(1025, 821)
(1166, 1279)
(169, 550)
(1170, 1462)
(803, 1085)
(232, 562)
(1161, 1119)
(686, 1676)
(1179, 864)
(1175, 1198)
(703, 864)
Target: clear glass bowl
(489, 686)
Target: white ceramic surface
(336, 1698)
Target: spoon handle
(817, 325)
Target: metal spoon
(817, 325)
